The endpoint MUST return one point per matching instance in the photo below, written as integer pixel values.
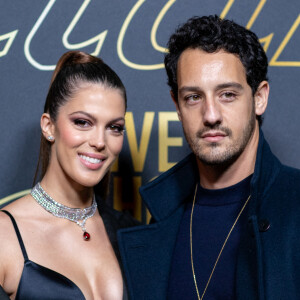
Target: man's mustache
(218, 128)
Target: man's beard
(216, 156)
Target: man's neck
(221, 176)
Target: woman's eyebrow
(84, 113)
(93, 118)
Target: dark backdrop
(130, 36)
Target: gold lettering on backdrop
(98, 40)
(117, 190)
(9, 37)
(266, 41)
(121, 39)
(115, 166)
(14, 196)
(137, 201)
(226, 9)
(164, 141)
(274, 60)
(135, 206)
(31, 35)
(156, 24)
(148, 216)
(256, 13)
(253, 17)
(138, 153)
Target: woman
(68, 245)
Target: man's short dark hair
(211, 34)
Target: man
(225, 219)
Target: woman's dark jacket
(268, 264)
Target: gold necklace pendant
(222, 248)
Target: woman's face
(88, 134)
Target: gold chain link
(217, 260)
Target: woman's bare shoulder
(11, 257)
(17, 209)
(19, 206)
(10, 251)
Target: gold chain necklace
(217, 260)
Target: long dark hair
(73, 68)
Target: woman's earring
(50, 138)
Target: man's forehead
(196, 65)
(199, 55)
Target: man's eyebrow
(218, 87)
(189, 89)
(229, 85)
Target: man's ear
(261, 98)
(176, 104)
(47, 126)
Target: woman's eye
(119, 129)
(82, 123)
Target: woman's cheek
(71, 137)
(117, 146)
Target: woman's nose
(97, 140)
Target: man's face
(215, 105)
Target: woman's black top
(39, 282)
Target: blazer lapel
(146, 253)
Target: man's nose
(211, 111)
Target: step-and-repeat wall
(131, 37)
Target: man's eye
(194, 97)
(228, 96)
(119, 129)
(82, 123)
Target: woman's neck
(66, 191)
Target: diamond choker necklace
(76, 215)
